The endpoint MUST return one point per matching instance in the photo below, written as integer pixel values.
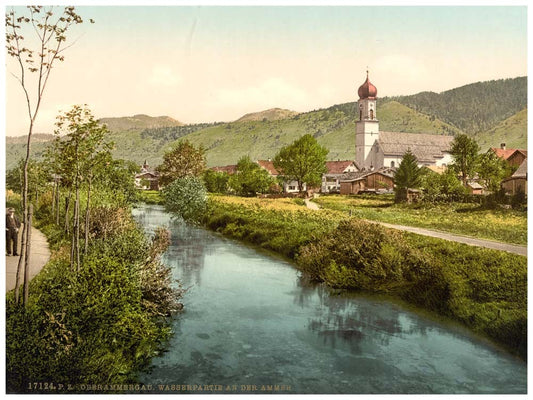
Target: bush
(216, 182)
(186, 197)
(361, 255)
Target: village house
(147, 179)
(288, 186)
(517, 183)
(377, 149)
(512, 156)
(379, 181)
(335, 171)
(268, 165)
(474, 187)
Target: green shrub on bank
(100, 325)
(186, 197)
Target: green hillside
(473, 108)
(512, 132)
(334, 128)
(16, 151)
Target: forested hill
(473, 108)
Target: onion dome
(367, 90)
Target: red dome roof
(367, 90)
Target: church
(375, 150)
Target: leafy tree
(119, 177)
(35, 62)
(181, 161)
(186, 197)
(407, 177)
(465, 155)
(216, 181)
(81, 150)
(249, 178)
(492, 170)
(303, 161)
(441, 187)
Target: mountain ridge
(272, 114)
(333, 127)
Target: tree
(249, 178)
(81, 149)
(216, 181)
(118, 176)
(50, 43)
(303, 161)
(407, 177)
(441, 187)
(465, 155)
(181, 161)
(492, 170)
(186, 197)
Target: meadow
(467, 219)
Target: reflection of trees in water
(188, 247)
(305, 291)
(352, 321)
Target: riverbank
(484, 289)
(99, 324)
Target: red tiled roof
(269, 166)
(506, 153)
(337, 167)
(229, 169)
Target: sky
(205, 64)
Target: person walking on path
(12, 232)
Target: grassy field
(484, 289)
(464, 219)
(150, 197)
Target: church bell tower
(367, 126)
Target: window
(392, 164)
(371, 114)
(360, 115)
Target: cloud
(273, 92)
(164, 75)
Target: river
(252, 324)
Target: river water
(252, 324)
